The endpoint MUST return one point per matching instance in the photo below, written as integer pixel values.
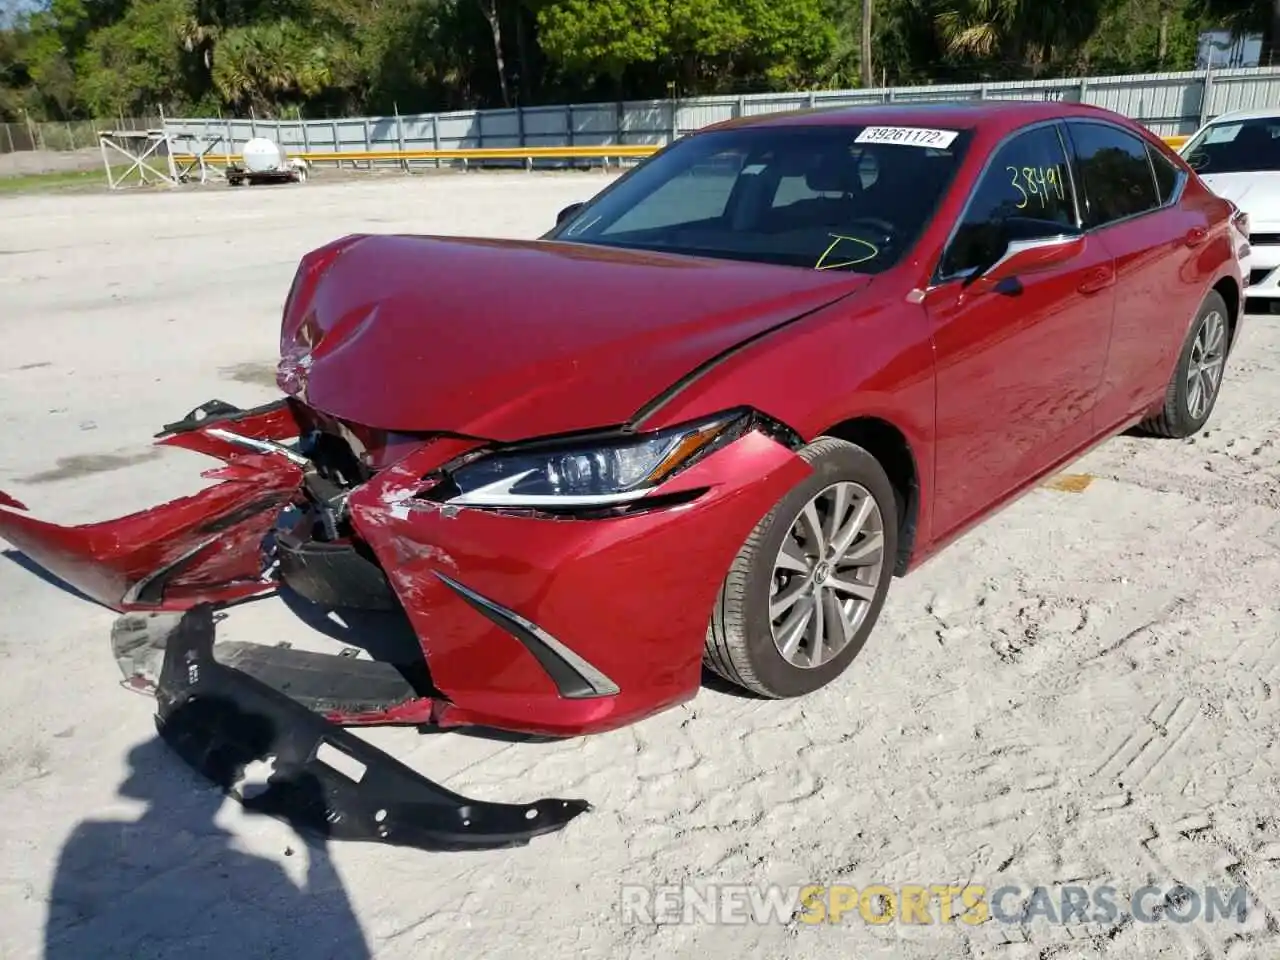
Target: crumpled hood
(508, 340)
(1257, 194)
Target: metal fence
(71, 135)
(1171, 104)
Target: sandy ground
(1085, 691)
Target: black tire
(740, 646)
(1177, 420)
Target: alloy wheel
(826, 574)
(1204, 364)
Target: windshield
(828, 198)
(1239, 146)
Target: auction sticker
(908, 136)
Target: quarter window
(1025, 194)
(1115, 173)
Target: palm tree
(1025, 32)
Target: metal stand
(200, 153)
(138, 147)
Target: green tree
(1143, 35)
(136, 63)
(699, 45)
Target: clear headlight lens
(599, 473)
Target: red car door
(1129, 200)
(1017, 366)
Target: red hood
(508, 340)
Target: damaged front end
(277, 516)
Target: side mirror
(1029, 256)
(568, 212)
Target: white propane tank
(260, 155)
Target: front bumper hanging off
(221, 720)
(167, 567)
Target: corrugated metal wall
(1170, 104)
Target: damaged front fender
(202, 548)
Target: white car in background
(1237, 155)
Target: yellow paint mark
(835, 242)
(1069, 482)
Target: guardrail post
(404, 164)
(336, 146)
(435, 136)
(1084, 89)
(368, 146)
(1206, 90)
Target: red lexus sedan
(703, 421)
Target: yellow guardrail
(477, 153)
(482, 153)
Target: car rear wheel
(806, 588)
(1197, 378)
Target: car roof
(996, 115)
(1266, 113)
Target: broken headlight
(585, 473)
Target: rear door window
(1114, 172)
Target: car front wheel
(806, 589)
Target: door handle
(1196, 236)
(1098, 280)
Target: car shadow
(18, 558)
(383, 634)
(718, 684)
(1137, 433)
(174, 883)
